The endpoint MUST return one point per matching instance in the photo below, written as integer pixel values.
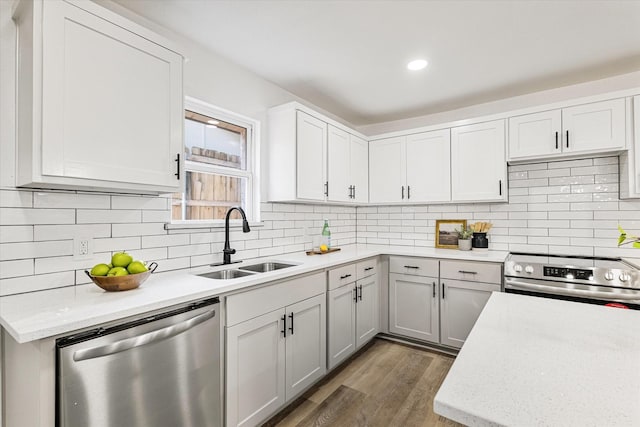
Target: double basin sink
(247, 270)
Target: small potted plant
(625, 239)
(464, 238)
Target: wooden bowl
(122, 283)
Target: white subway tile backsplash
(16, 199)
(567, 207)
(18, 285)
(31, 216)
(97, 216)
(142, 229)
(16, 233)
(61, 232)
(116, 244)
(22, 267)
(24, 250)
(43, 199)
(139, 202)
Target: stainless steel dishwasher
(156, 371)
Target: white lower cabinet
(413, 307)
(353, 310)
(273, 357)
(255, 369)
(460, 305)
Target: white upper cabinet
(386, 170)
(536, 134)
(359, 168)
(411, 169)
(313, 158)
(594, 127)
(583, 129)
(100, 102)
(428, 163)
(630, 161)
(478, 164)
(347, 163)
(311, 137)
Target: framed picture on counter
(446, 235)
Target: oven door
(591, 294)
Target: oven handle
(571, 292)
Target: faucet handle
(229, 251)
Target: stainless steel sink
(225, 274)
(266, 266)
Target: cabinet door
(599, 126)
(112, 102)
(255, 369)
(360, 169)
(413, 306)
(367, 310)
(311, 157)
(478, 164)
(338, 165)
(634, 151)
(386, 170)
(342, 324)
(535, 135)
(461, 304)
(306, 341)
(428, 157)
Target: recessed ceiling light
(417, 64)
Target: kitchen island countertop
(544, 362)
(36, 315)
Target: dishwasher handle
(144, 339)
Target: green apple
(137, 267)
(121, 259)
(118, 271)
(100, 270)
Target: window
(220, 165)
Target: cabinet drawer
(250, 304)
(414, 266)
(471, 271)
(366, 268)
(342, 275)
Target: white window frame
(251, 173)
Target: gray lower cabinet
(272, 357)
(353, 309)
(439, 301)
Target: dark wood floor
(387, 384)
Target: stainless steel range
(605, 281)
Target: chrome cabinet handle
(144, 339)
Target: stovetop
(611, 272)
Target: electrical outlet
(82, 247)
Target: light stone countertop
(542, 362)
(32, 316)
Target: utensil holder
(480, 241)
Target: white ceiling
(349, 57)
